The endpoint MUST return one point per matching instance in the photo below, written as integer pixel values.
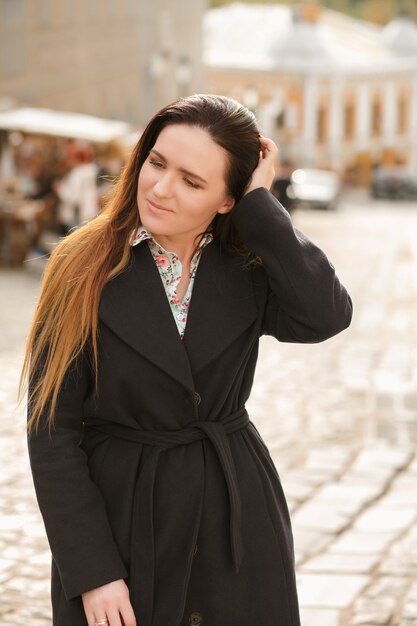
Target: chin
(153, 224)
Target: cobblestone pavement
(340, 420)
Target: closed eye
(156, 163)
(189, 182)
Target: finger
(270, 154)
(268, 145)
(113, 616)
(128, 615)
(270, 149)
(264, 139)
(100, 619)
(89, 616)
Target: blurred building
(120, 59)
(334, 91)
(171, 50)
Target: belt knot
(142, 548)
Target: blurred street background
(335, 85)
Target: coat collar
(135, 306)
(142, 233)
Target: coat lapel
(222, 305)
(134, 305)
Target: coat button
(197, 397)
(195, 619)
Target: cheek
(145, 179)
(202, 207)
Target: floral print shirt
(170, 270)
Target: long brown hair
(66, 317)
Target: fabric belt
(142, 540)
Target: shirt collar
(142, 233)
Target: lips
(153, 205)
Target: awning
(63, 124)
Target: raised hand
(264, 173)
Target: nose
(164, 186)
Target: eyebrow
(161, 156)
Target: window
(322, 125)
(12, 56)
(402, 121)
(12, 12)
(134, 6)
(93, 8)
(280, 120)
(68, 9)
(349, 121)
(44, 11)
(111, 7)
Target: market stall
(37, 149)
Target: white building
(332, 90)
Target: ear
(227, 205)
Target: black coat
(161, 478)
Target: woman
(77, 190)
(160, 499)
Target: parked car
(315, 189)
(279, 189)
(393, 182)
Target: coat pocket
(96, 447)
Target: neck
(183, 245)
(183, 250)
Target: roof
(268, 37)
(63, 124)
(400, 35)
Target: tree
(371, 10)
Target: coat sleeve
(71, 504)
(306, 302)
